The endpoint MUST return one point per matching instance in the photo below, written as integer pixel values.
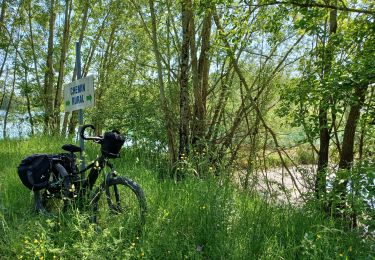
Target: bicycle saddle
(71, 148)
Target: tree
(324, 135)
(163, 100)
(200, 78)
(49, 73)
(187, 34)
(63, 56)
(10, 97)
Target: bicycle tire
(130, 201)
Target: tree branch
(319, 5)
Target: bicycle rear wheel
(57, 196)
(119, 201)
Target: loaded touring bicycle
(54, 177)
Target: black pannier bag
(67, 161)
(112, 143)
(34, 171)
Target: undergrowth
(194, 219)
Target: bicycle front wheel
(119, 201)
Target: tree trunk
(183, 150)
(163, 100)
(347, 154)
(3, 10)
(195, 82)
(10, 98)
(251, 161)
(73, 118)
(200, 82)
(4, 60)
(28, 103)
(226, 81)
(324, 136)
(60, 79)
(103, 79)
(49, 74)
(33, 48)
(4, 88)
(93, 46)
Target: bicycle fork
(116, 208)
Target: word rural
(77, 90)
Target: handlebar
(97, 139)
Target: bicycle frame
(83, 185)
(96, 168)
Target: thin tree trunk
(4, 88)
(163, 100)
(183, 150)
(4, 60)
(3, 10)
(49, 74)
(33, 48)
(103, 79)
(226, 81)
(73, 118)
(347, 154)
(28, 103)
(324, 136)
(195, 82)
(60, 79)
(200, 73)
(93, 47)
(10, 98)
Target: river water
(18, 125)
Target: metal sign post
(79, 95)
(80, 112)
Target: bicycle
(66, 182)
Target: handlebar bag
(34, 171)
(112, 143)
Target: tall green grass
(190, 219)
